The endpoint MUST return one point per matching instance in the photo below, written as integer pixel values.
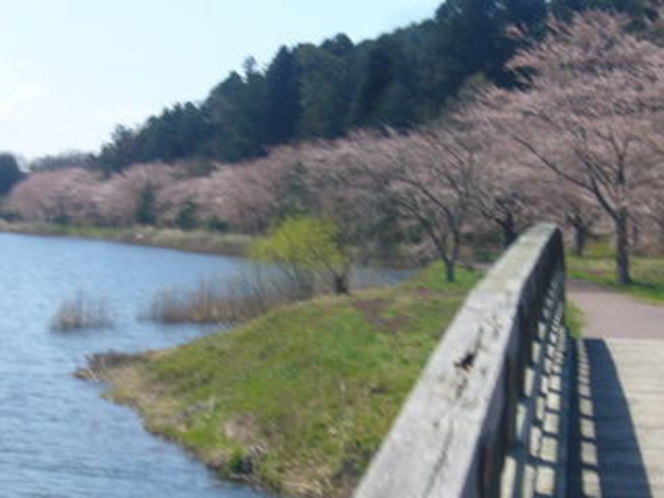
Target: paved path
(613, 315)
(619, 443)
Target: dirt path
(612, 315)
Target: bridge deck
(618, 450)
(620, 443)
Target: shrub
(306, 249)
(145, 206)
(218, 225)
(186, 216)
(82, 311)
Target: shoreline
(199, 241)
(346, 362)
(114, 369)
(195, 241)
(227, 399)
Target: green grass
(574, 320)
(297, 401)
(599, 267)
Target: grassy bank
(201, 241)
(296, 401)
(599, 266)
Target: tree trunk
(580, 239)
(449, 269)
(509, 231)
(622, 248)
(341, 286)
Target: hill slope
(299, 400)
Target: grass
(598, 266)
(296, 401)
(574, 320)
(202, 241)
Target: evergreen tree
(10, 173)
(120, 152)
(399, 80)
(282, 98)
(234, 111)
(325, 92)
(186, 216)
(377, 75)
(472, 33)
(145, 206)
(340, 45)
(527, 15)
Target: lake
(58, 437)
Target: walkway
(618, 450)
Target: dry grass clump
(248, 296)
(220, 302)
(82, 311)
(100, 364)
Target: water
(58, 437)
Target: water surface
(58, 437)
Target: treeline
(581, 146)
(399, 80)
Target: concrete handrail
(472, 409)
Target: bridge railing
(487, 416)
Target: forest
(399, 80)
(483, 119)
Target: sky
(71, 70)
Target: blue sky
(72, 69)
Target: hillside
(399, 80)
(296, 401)
(576, 143)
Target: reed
(82, 311)
(214, 301)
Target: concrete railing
(487, 416)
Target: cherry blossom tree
(504, 182)
(428, 178)
(334, 186)
(657, 217)
(592, 114)
(118, 198)
(568, 206)
(61, 196)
